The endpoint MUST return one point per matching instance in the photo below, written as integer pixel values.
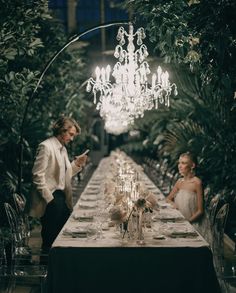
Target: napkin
(159, 237)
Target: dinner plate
(92, 187)
(80, 232)
(172, 219)
(85, 218)
(87, 205)
(91, 192)
(159, 237)
(87, 197)
(166, 218)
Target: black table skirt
(144, 269)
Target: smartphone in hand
(85, 153)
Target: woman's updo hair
(63, 124)
(190, 156)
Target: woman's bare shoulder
(197, 180)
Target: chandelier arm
(125, 33)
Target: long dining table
(92, 254)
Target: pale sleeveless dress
(186, 202)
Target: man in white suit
(52, 173)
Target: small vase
(140, 237)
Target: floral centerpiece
(132, 219)
(127, 197)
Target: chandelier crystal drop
(129, 94)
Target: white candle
(97, 72)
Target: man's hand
(81, 160)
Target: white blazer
(46, 176)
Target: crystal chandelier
(129, 94)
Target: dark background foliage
(29, 38)
(197, 39)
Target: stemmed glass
(98, 217)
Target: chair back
(22, 264)
(218, 236)
(11, 217)
(212, 209)
(221, 217)
(20, 202)
(15, 225)
(219, 227)
(206, 193)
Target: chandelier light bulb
(97, 72)
(108, 72)
(130, 95)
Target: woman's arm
(200, 210)
(171, 195)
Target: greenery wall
(197, 42)
(29, 38)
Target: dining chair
(212, 209)
(221, 266)
(19, 206)
(20, 202)
(206, 196)
(5, 277)
(23, 264)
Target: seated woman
(187, 193)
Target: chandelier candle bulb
(97, 72)
(159, 72)
(103, 75)
(108, 71)
(166, 79)
(130, 95)
(154, 78)
(163, 80)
